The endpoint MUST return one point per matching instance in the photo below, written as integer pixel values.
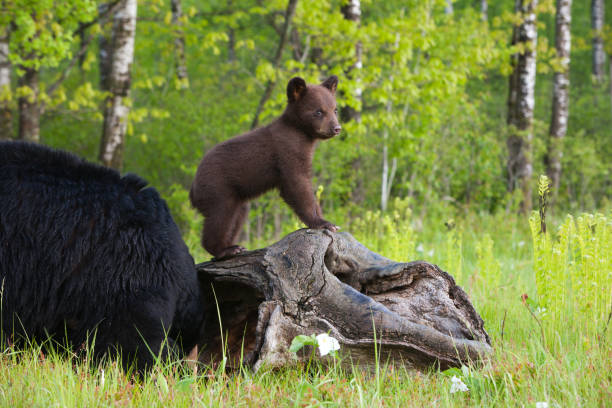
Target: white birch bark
(6, 129)
(116, 112)
(560, 107)
(179, 42)
(599, 55)
(352, 11)
(448, 9)
(521, 103)
(29, 111)
(484, 10)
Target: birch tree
(117, 106)
(352, 12)
(448, 9)
(352, 111)
(484, 10)
(521, 102)
(6, 117)
(599, 55)
(29, 111)
(179, 43)
(560, 106)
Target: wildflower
(327, 343)
(458, 385)
(541, 404)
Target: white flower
(541, 404)
(458, 385)
(419, 248)
(327, 344)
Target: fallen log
(316, 281)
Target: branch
(277, 58)
(110, 8)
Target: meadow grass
(545, 300)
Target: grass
(561, 356)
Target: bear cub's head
(313, 107)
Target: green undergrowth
(545, 299)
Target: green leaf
(300, 341)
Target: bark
(29, 112)
(6, 115)
(352, 12)
(448, 9)
(105, 51)
(315, 281)
(521, 103)
(231, 34)
(560, 107)
(599, 55)
(484, 10)
(179, 42)
(289, 12)
(116, 110)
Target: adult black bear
(278, 155)
(84, 252)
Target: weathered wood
(315, 281)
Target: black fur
(83, 249)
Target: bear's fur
(278, 155)
(85, 252)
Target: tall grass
(545, 299)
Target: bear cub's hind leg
(222, 226)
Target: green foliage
(573, 268)
(572, 368)
(42, 31)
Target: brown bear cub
(278, 155)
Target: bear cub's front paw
(229, 252)
(326, 225)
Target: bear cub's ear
(296, 89)
(331, 83)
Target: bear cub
(278, 155)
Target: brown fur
(278, 155)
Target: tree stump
(316, 281)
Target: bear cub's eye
(319, 113)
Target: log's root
(315, 281)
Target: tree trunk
(448, 9)
(6, 116)
(521, 103)
(315, 281)
(484, 10)
(29, 112)
(105, 48)
(597, 23)
(560, 107)
(116, 110)
(179, 43)
(352, 12)
(291, 5)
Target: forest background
(451, 111)
(424, 95)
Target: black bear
(278, 155)
(87, 254)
